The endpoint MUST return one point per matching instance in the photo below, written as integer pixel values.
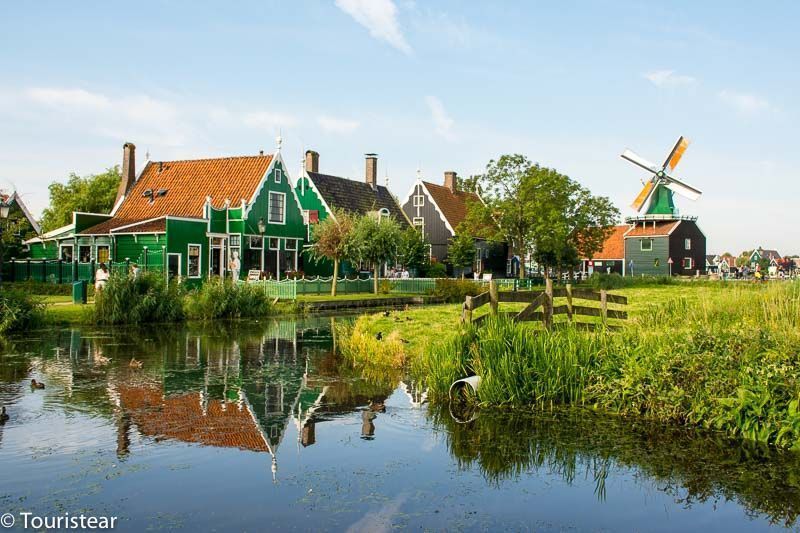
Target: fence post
(548, 304)
(466, 311)
(60, 271)
(44, 270)
(13, 270)
(146, 259)
(569, 301)
(493, 298)
(91, 274)
(603, 306)
(75, 270)
(29, 269)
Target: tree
(94, 193)
(333, 239)
(376, 241)
(536, 208)
(413, 252)
(13, 231)
(461, 252)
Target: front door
(218, 255)
(173, 266)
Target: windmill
(658, 192)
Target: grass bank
(722, 357)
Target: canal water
(251, 426)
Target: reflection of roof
(614, 245)
(356, 196)
(222, 424)
(653, 229)
(187, 183)
(452, 205)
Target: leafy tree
(376, 241)
(413, 250)
(91, 194)
(461, 252)
(536, 208)
(333, 239)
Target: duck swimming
(3, 416)
(36, 384)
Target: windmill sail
(681, 188)
(643, 196)
(639, 160)
(676, 154)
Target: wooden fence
(541, 307)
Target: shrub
(455, 290)
(148, 298)
(222, 298)
(436, 270)
(19, 310)
(615, 281)
(43, 289)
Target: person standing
(101, 277)
(135, 271)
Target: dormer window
(383, 213)
(278, 174)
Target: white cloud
(442, 121)
(68, 98)
(380, 18)
(748, 104)
(337, 125)
(668, 78)
(267, 120)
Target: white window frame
(421, 224)
(269, 209)
(688, 264)
(89, 246)
(277, 243)
(180, 264)
(286, 245)
(199, 260)
(259, 240)
(687, 244)
(649, 243)
(238, 238)
(97, 251)
(383, 213)
(419, 200)
(278, 173)
(70, 246)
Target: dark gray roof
(356, 196)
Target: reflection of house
(438, 210)
(193, 215)
(320, 193)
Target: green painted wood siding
(644, 261)
(130, 247)
(182, 233)
(48, 250)
(294, 226)
(309, 199)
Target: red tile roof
(653, 229)
(187, 183)
(223, 424)
(614, 245)
(453, 205)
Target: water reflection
(245, 388)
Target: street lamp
(262, 226)
(4, 209)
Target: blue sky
(435, 85)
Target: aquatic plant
(222, 298)
(147, 298)
(19, 310)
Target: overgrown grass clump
(455, 290)
(222, 298)
(148, 298)
(728, 360)
(19, 310)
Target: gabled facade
(438, 210)
(760, 253)
(661, 248)
(17, 225)
(192, 217)
(319, 194)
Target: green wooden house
(17, 225)
(320, 193)
(191, 218)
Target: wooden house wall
(436, 232)
(644, 261)
(677, 250)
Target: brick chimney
(128, 170)
(372, 170)
(312, 161)
(450, 180)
